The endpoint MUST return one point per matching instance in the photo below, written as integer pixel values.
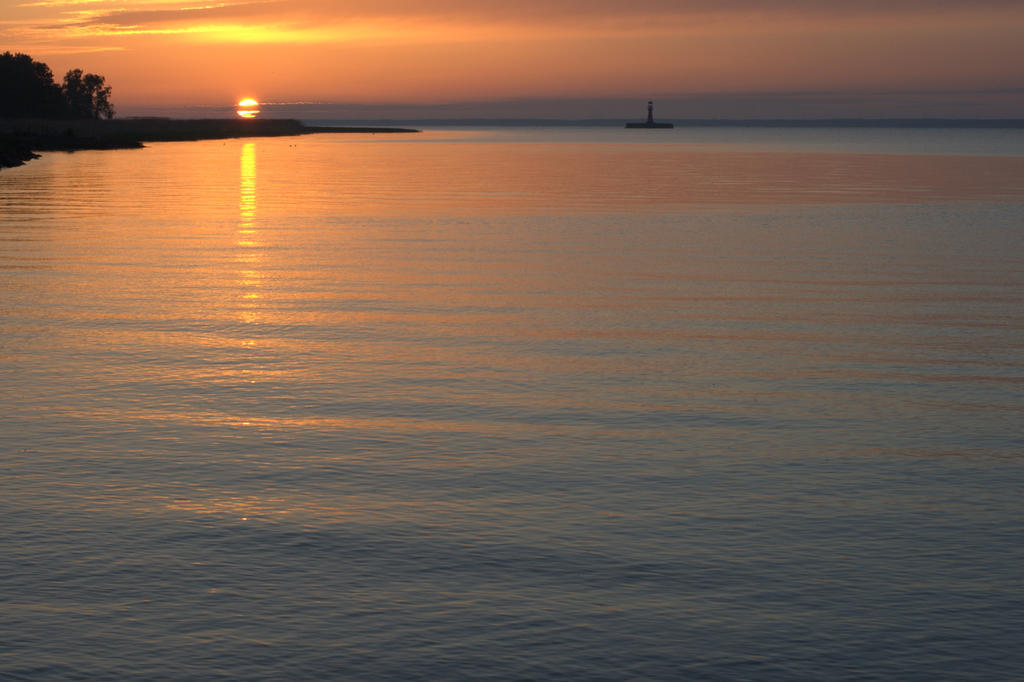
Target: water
(531, 404)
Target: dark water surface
(515, 405)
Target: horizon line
(843, 122)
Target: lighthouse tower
(649, 123)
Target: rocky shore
(20, 139)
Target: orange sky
(165, 54)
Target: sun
(248, 108)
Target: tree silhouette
(27, 88)
(86, 95)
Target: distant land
(21, 139)
(696, 122)
(1003, 104)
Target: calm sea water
(532, 404)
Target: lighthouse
(649, 123)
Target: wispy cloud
(186, 14)
(62, 49)
(63, 3)
(156, 15)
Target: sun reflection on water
(247, 186)
(249, 256)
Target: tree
(86, 95)
(102, 108)
(27, 89)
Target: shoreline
(22, 139)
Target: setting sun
(248, 108)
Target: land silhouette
(38, 114)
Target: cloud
(187, 14)
(392, 22)
(115, 14)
